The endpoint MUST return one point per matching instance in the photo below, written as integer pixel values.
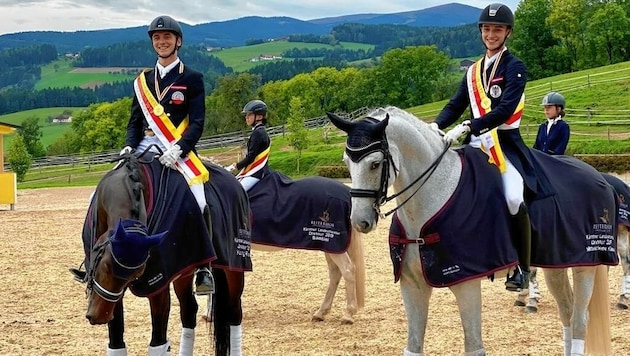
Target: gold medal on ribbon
(158, 110)
(485, 103)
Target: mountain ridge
(235, 32)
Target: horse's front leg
(116, 330)
(468, 296)
(160, 308)
(416, 294)
(188, 308)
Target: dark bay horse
(143, 233)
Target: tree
(19, 159)
(606, 26)
(534, 43)
(31, 133)
(298, 134)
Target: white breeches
(148, 141)
(248, 182)
(200, 196)
(513, 188)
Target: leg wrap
(162, 350)
(187, 342)
(236, 335)
(577, 347)
(117, 352)
(409, 353)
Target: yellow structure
(8, 181)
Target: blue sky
(73, 15)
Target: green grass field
(58, 74)
(50, 131)
(239, 57)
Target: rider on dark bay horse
(168, 111)
(494, 89)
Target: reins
(380, 195)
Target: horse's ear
(153, 240)
(341, 123)
(383, 123)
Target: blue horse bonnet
(131, 242)
(364, 138)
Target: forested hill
(236, 32)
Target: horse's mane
(379, 114)
(135, 185)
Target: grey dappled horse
(394, 149)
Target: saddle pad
(469, 237)
(312, 213)
(576, 226)
(173, 208)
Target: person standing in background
(553, 135)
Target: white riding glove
(171, 155)
(230, 168)
(436, 128)
(458, 131)
(125, 151)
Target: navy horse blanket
(470, 236)
(312, 213)
(623, 198)
(172, 207)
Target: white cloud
(72, 15)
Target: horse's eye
(376, 164)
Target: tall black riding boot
(522, 236)
(204, 281)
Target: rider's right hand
(125, 150)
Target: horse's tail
(221, 313)
(597, 340)
(355, 251)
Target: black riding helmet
(496, 14)
(166, 23)
(257, 107)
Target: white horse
(351, 266)
(395, 149)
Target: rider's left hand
(171, 155)
(458, 131)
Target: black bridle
(119, 270)
(380, 195)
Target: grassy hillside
(60, 74)
(598, 107)
(50, 131)
(239, 57)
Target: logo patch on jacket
(177, 97)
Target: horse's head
(117, 259)
(371, 165)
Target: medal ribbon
(190, 166)
(258, 164)
(480, 105)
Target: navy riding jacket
(185, 98)
(555, 141)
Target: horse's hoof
(518, 303)
(346, 320)
(531, 310)
(621, 306)
(317, 318)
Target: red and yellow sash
(480, 105)
(259, 162)
(190, 166)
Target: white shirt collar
(164, 70)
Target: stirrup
(205, 285)
(518, 281)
